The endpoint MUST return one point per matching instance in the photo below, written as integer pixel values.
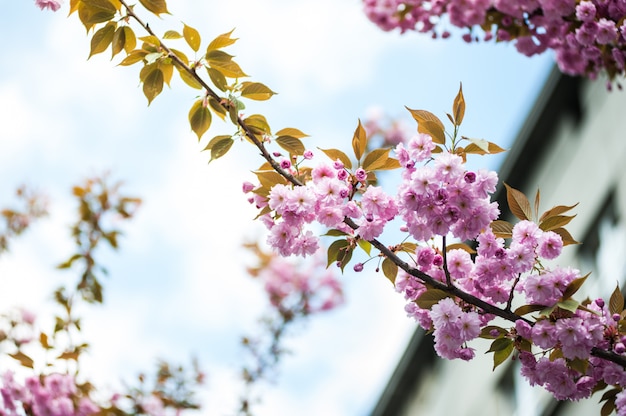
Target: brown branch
(209, 91)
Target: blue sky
(178, 286)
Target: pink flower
(550, 245)
(53, 5)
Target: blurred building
(573, 148)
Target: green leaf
(102, 39)
(486, 332)
(616, 302)
(220, 148)
(256, 91)
(96, 11)
(458, 107)
(390, 270)
(192, 37)
(335, 154)
(155, 6)
(376, 159)
(431, 297)
(359, 141)
(518, 203)
(501, 348)
(153, 84)
(221, 41)
(24, 359)
(428, 123)
(199, 118)
(568, 305)
(526, 309)
(339, 251)
(335, 233)
(291, 144)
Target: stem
(445, 262)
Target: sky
(177, 287)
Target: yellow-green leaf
(501, 348)
(365, 245)
(291, 144)
(153, 84)
(359, 141)
(525, 309)
(217, 78)
(199, 118)
(118, 42)
(573, 287)
(430, 298)
(192, 36)
(155, 6)
(458, 108)
(390, 270)
(130, 40)
(518, 203)
(269, 178)
(221, 41)
(335, 154)
(220, 148)
(256, 91)
(102, 39)
(229, 69)
(188, 79)
(133, 57)
(217, 108)
(289, 131)
(258, 123)
(336, 251)
(172, 34)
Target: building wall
(583, 160)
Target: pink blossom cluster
(494, 275)
(311, 288)
(574, 336)
(326, 199)
(588, 36)
(443, 197)
(50, 395)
